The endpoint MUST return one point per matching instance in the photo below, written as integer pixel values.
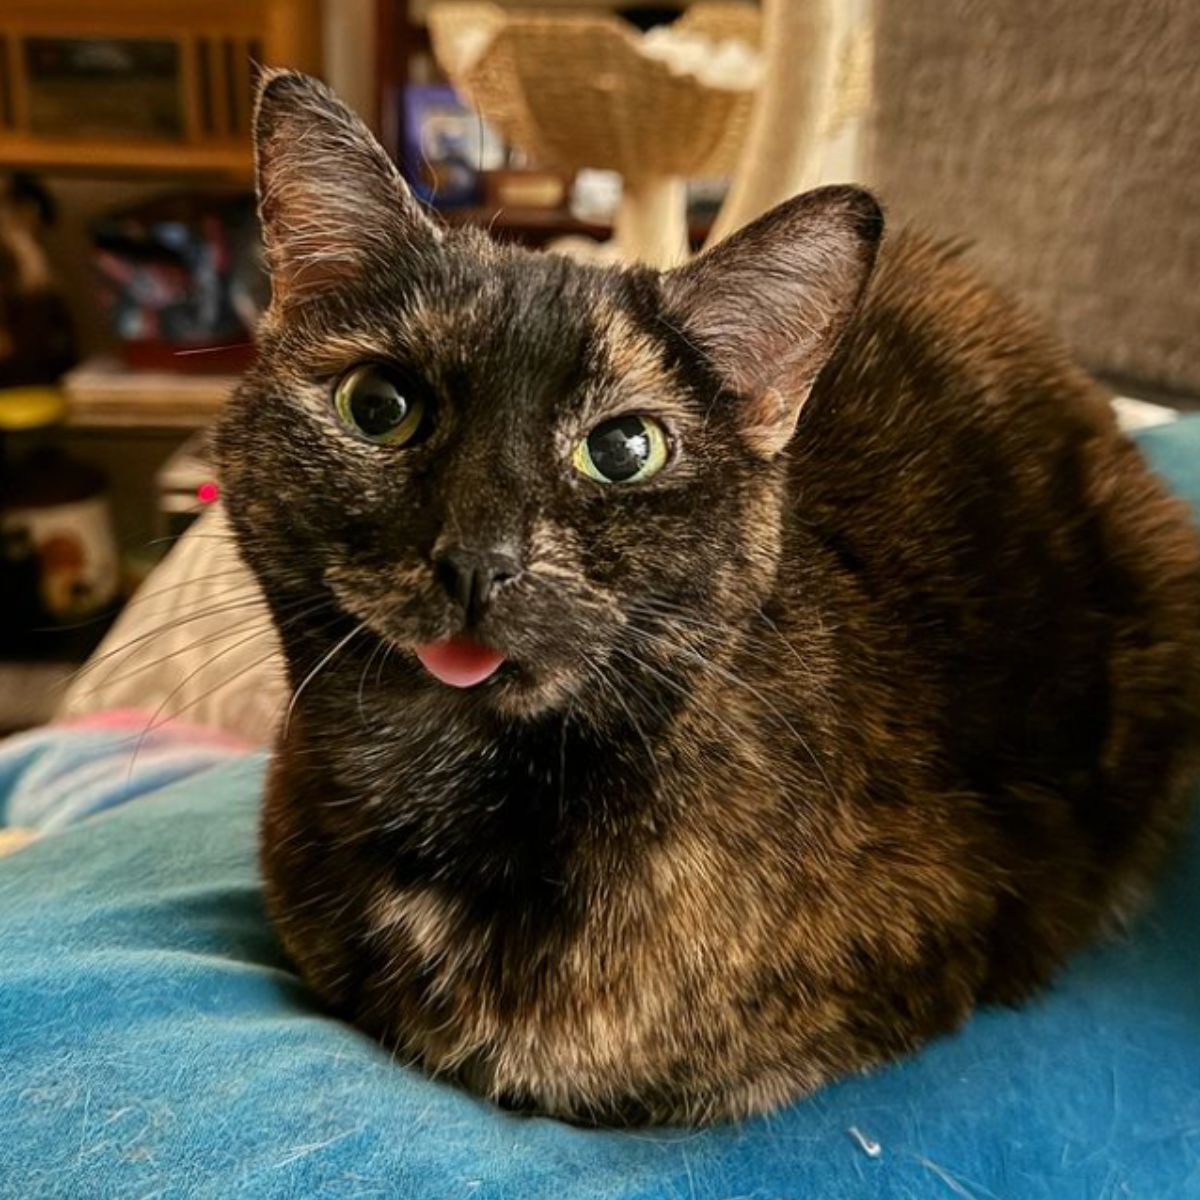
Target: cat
(706, 683)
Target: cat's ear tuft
(768, 305)
(333, 207)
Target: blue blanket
(154, 1043)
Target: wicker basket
(578, 91)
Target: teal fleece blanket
(154, 1043)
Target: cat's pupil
(377, 407)
(619, 448)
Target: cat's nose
(470, 576)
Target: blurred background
(1060, 137)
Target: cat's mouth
(459, 661)
(517, 665)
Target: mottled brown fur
(804, 748)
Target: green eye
(377, 403)
(622, 450)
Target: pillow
(153, 1042)
(1174, 452)
(196, 641)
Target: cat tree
(579, 91)
(796, 104)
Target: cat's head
(480, 451)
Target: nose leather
(470, 576)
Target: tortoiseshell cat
(708, 683)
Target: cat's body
(881, 720)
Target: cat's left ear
(768, 305)
(333, 207)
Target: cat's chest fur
(544, 915)
(543, 934)
(526, 824)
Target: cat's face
(510, 467)
(503, 365)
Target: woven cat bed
(578, 91)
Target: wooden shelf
(230, 161)
(142, 86)
(103, 393)
(538, 225)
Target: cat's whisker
(577, 595)
(127, 647)
(578, 590)
(609, 688)
(191, 535)
(389, 646)
(204, 695)
(154, 722)
(562, 762)
(250, 603)
(380, 643)
(683, 690)
(262, 621)
(813, 679)
(140, 596)
(325, 659)
(749, 646)
(195, 581)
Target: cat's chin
(516, 692)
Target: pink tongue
(459, 661)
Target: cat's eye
(623, 449)
(377, 403)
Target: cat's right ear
(333, 207)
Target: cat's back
(937, 360)
(954, 433)
(1019, 586)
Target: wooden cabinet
(120, 86)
